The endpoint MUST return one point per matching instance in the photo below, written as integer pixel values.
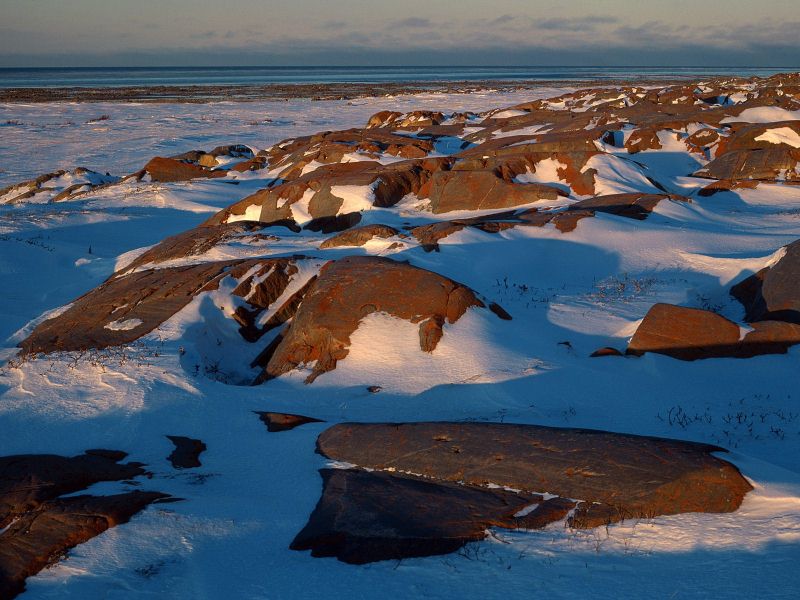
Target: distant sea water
(99, 77)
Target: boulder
(349, 289)
(637, 476)
(632, 206)
(774, 292)
(284, 421)
(691, 334)
(187, 452)
(169, 169)
(364, 517)
(359, 236)
(39, 525)
(126, 307)
(481, 190)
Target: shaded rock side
(186, 454)
(40, 526)
(39, 538)
(364, 517)
(284, 421)
(617, 476)
(774, 292)
(351, 288)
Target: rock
(774, 292)
(187, 452)
(195, 242)
(43, 535)
(169, 169)
(482, 189)
(383, 118)
(632, 206)
(365, 517)
(57, 186)
(643, 139)
(374, 389)
(28, 480)
(126, 307)
(607, 351)
(359, 236)
(40, 526)
(691, 334)
(351, 288)
(636, 476)
(284, 421)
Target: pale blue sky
(400, 32)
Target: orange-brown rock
(643, 139)
(38, 525)
(691, 334)
(125, 308)
(359, 236)
(481, 190)
(170, 169)
(605, 477)
(349, 289)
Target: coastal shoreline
(167, 94)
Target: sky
(400, 32)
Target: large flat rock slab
(364, 517)
(38, 525)
(630, 476)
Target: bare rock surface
(691, 334)
(774, 292)
(349, 289)
(186, 454)
(365, 517)
(597, 477)
(276, 421)
(41, 526)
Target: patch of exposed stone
(186, 454)
(39, 525)
(349, 289)
(457, 476)
(126, 307)
(55, 187)
(276, 421)
(771, 299)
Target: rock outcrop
(349, 289)
(598, 477)
(39, 525)
(691, 334)
(276, 421)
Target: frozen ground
(255, 490)
(39, 138)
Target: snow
(124, 325)
(764, 114)
(780, 135)
(256, 489)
